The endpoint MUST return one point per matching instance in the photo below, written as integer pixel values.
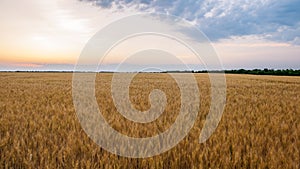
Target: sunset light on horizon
(36, 33)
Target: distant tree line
(279, 72)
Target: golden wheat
(259, 129)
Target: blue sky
(272, 19)
(50, 34)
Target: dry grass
(260, 127)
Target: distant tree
(265, 71)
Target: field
(260, 127)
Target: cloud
(273, 19)
(251, 51)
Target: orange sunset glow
(55, 32)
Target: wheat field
(260, 126)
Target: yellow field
(260, 127)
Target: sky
(50, 34)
